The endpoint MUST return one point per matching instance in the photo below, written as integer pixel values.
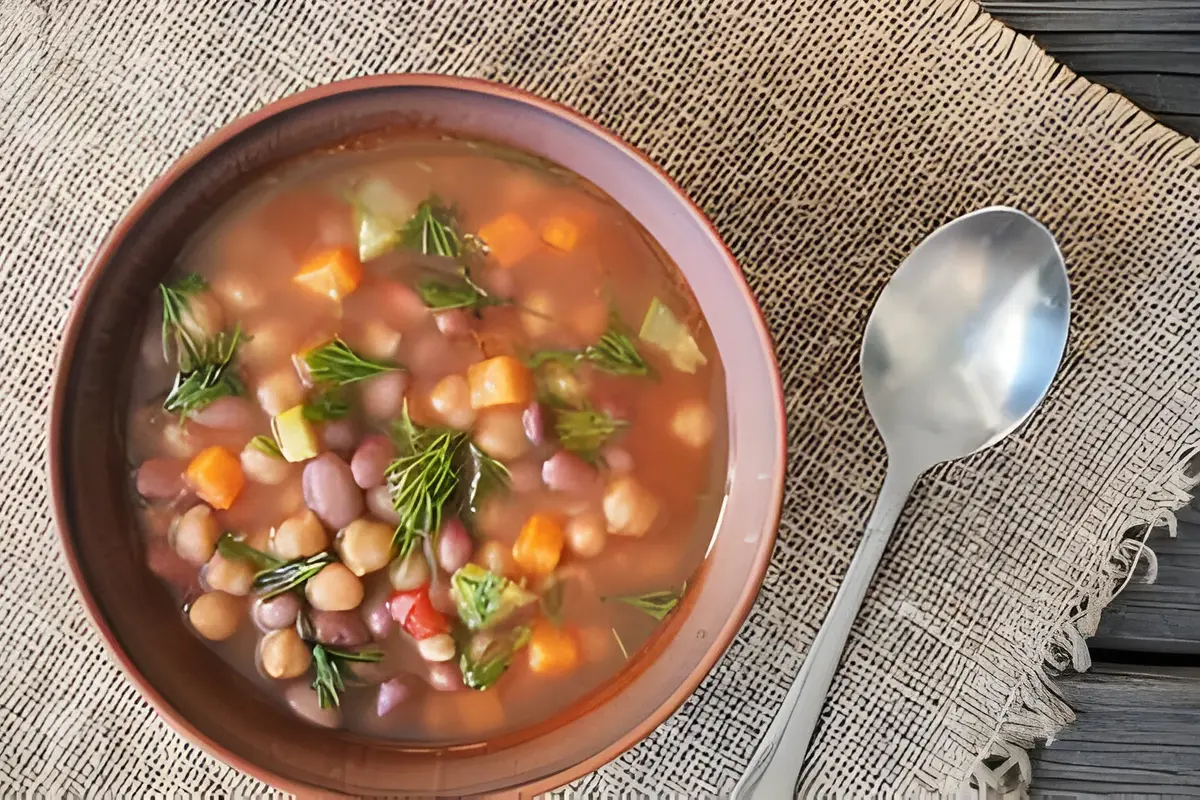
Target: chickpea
(564, 384)
(283, 654)
(334, 588)
(439, 647)
(215, 615)
(365, 545)
(500, 432)
(267, 343)
(495, 557)
(451, 401)
(262, 468)
(194, 535)
(586, 534)
(178, 441)
(202, 316)
(693, 423)
(380, 341)
(629, 507)
(410, 572)
(239, 291)
(231, 576)
(299, 535)
(537, 314)
(280, 391)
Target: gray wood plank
(1154, 16)
(1137, 733)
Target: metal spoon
(961, 347)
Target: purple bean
(453, 323)
(379, 619)
(339, 628)
(339, 436)
(226, 414)
(534, 420)
(371, 460)
(160, 478)
(454, 545)
(379, 503)
(383, 395)
(277, 612)
(445, 676)
(391, 694)
(330, 491)
(617, 458)
(566, 472)
(525, 477)
(303, 700)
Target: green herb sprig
(233, 547)
(178, 344)
(211, 378)
(482, 672)
(487, 475)
(616, 354)
(422, 480)
(584, 431)
(432, 230)
(335, 364)
(656, 604)
(326, 405)
(289, 575)
(268, 445)
(328, 662)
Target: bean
(629, 508)
(495, 557)
(371, 460)
(277, 612)
(263, 468)
(303, 701)
(617, 458)
(379, 341)
(378, 617)
(365, 545)
(215, 615)
(440, 597)
(383, 396)
(202, 316)
(500, 432)
(226, 414)
(525, 477)
(231, 576)
(410, 572)
(451, 401)
(339, 628)
(693, 423)
(454, 545)
(283, 654)
(391, 694)
(533, 418)
(330, 491)
(445, 677)
(379, 503)
(334, 588)
(566, 472)
(239, 291)
(453, 323)
(586, 534)
(267, 343)
(339, 436)
(160, 478)
(299, 536)
(279, 391)
(180, 441)
(404, 307)
(439, 647)
(194, 535)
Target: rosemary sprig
(175, 300)
(487, 475)
(336, 364)
(656, 604)
(432, 230)
(211, 378)
(327, 404)
(456, 291)
(421, 481)
(328, 682)
(480, 673)
(266, 444)
(233, 546)
(585, 430)
(616, 354)
(568, 358)
(289, 575)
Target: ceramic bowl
(206, 700)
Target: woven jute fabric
(825, 139)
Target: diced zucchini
(662, 329)
(295, 435)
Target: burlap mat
(825, 139)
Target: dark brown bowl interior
(187, 683)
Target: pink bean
(454, 323)
(454, 545)
(445, 676)
(383, 395)
(404, 306)
(226, 414)
(330, 491)
(160, 478)
(566, 472)
(525, 476)
(339, 436)
(379, 503)
(617, 458)
(379, 618)
(371, 460)
(391, 694)
(339, 628)
(440, 598)
(277, 612)
(534, 420)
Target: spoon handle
(774, 771)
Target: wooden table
(1138, 731)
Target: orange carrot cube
(215, 475)
(552, 651)
(499, 381)
(539, 545)
(332, 273)
(509, 239)
(560, 233)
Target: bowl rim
(144, 202)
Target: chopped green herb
(484, 598)
(328, 662)
(615, 353)
(584, 431)
(456, 291)
(656, 604)
(552, 601)
(233, 546)
(327, 404)
(175, 336)
(663, 329)
(568, 358)
(213, 377)
(266, 444)
(432, 230)
(289, 575)
(480, 673)
(337, 365)
(421, 480)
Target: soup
(428, 438)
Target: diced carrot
(552, 651)
(539, 545)
(560, 233)
(333, 273)
(215, 475)
(499, 381)
(509, 239)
